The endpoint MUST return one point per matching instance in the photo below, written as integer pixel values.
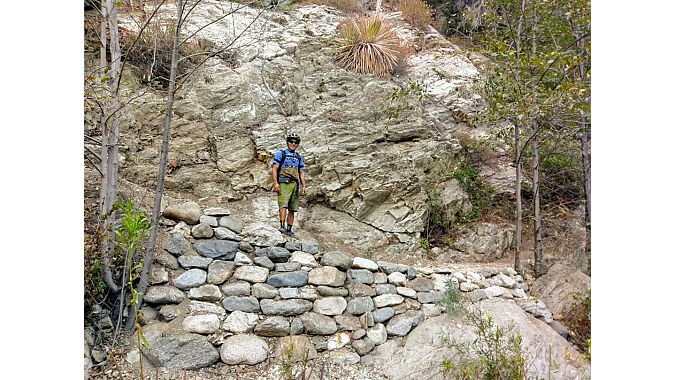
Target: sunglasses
(294, 141)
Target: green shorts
(288, 196)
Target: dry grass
(417, 12)
(368, 45)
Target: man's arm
(303, 183)
(275, 181)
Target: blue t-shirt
(292, 163)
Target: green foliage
(479, 192)
(293, 365)
(368, 45)
(417, 12)
(424, 243)
(578, 321)
(437, 218)
(495, 353)
(453, 300)
(400, 99)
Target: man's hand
(276, 187)
(303, 191)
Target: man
(288, 176)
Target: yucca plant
(368, 45)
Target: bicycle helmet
(293, 136)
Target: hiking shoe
(282, 230)
(290, 234)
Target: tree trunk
(109, 140)
(536, 200)
(150, 248)
(519, 211)
(586, 162)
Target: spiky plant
(368, 45)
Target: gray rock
(430, 297)
(163, 295)
(296, 326)
(238, 288)
(287, 267)
(292, 246)
(387, 300)
(194, 261)
(177, 244)
(212, 221)
(329, 276)
(430, 310)
(382, 314)
(344, 357)
(297, 347)
(244, 349)
(167, 260)
(309, 246)
(478, 295)
(278, 254)
(220, 271)
(338, 340)
(158, 275)
(285, 307)
(337, 259)
(208, 292)
(244, 246)
(188, 212)
(411, 273)
(242, 259)
(240, 322)
(377, 334)
(288, 279)
(264, 262)
(421, 284)
(379, 278)
(288, 293)
(216, 211)
(200, 307)
(308, 293)
(317, 324)
(201, 324)
(362, 276)
(397, 279)
(261, 290)
(216, 249)
(304, 259)
(401, 325)
(191, 279)
(202, 231)
(358, 334)
(390, 268)
(262, 235)
(363, 346)
(328, 291)
(484, 238)
(232, 223)
(348, 322)
(360, 290)
(251, 273)
(170, 312)
(362, 263)
(246, 304)
(273, 326)
(330, 306)
(188, 351)
(385, 289)
(223, 233)
(360, 305)
(406, 292)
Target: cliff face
(280, 76)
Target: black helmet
(293, 136)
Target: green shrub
(400, 99)
(479, 192)
(424, 243)
(368, 45)
(417, 12)
(495, 353)
(453, 300)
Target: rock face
(425, 346)
(232, 120)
